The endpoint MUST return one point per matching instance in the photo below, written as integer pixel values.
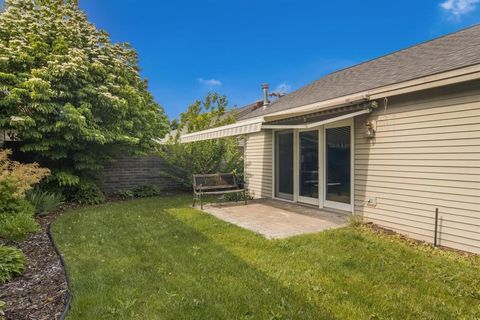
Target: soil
(41, 292)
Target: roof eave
(428, 82)
(423, 83)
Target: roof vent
(266, 102)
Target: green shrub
(44, 202)
(232, 197)
(16, 213)
(88, 193)
(17, 226)
(125, 194)
(12, 264)
(3, 304)
(208, 156)
(146, 191)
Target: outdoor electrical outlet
(372, 201)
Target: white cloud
(209, 82)
(283, 88)
(458, 8)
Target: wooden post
(436, 228)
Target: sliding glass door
(284, 162)
(308, 167)
(338, 167)
(313, 166)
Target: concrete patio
(277, 219)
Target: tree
(74, 97)
(209, 156)
(174, 124)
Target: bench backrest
(214, 181)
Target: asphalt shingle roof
(452, 51)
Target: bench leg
(245, 197)
(236, 196)
(201, 202)
(194, 199)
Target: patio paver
(277, 219)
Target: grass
(158, 258)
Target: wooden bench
(216, 183)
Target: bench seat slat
(223, 191)
(227, 186)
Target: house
(392, 140)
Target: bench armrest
(197, 188)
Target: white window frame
(319, 201)
(333, 204)
(274, 169)
(322, 202)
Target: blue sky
(188, 48)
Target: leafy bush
(16, 214)
(232, 197)
(125, 194)
(44, 202)
(210, 156)
(3, 304)
(17, 226)
(12, 263)
(88, 193)
(146, 191)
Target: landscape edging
(65, 271)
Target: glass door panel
(308, 166)
(337, 149)
(284, 164)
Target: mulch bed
(42, 291)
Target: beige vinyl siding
(258, 164)
(426, 155)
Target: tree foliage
(209, 156)
(74, 97)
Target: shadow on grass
(127, 265)
(160, 259)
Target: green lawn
(158, 258)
